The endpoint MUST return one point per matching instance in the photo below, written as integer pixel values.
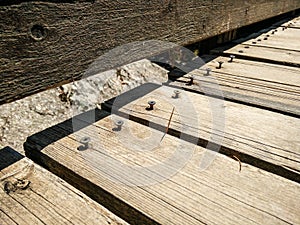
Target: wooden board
(43, 198)
(264, 85)
(259, 136)
(218, 195)
(266, 54)
(287, 39)
(294, 23)
(45, 44)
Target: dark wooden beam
(44, 44)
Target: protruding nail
(85, 143)
(220, 64)
(231, 58)
(119, 124)
(208, 70)
(177, 93)
(151, 105)
(191, 82)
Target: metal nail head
(220, 64)
(191, 82)
(177, 93)
(85, 143)
(151, 105)
(208, 70)
(119, 124)
(231, 58)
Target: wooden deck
(248, 142)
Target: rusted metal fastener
(85, 143)
(151, 105)
(191, 82)
(208, 70)
(231, 58)
(177, 93)
(220, 64)
(119, 125)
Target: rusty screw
(85, 143)
(220, 64)
(119, 124)
(231, 58)
(176, 92)
(151, 105)
(208, 70)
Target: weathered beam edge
(279, 170)
(95, 192)
(46, 44)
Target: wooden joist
(30, 194)
(220, 194)
(47, 43)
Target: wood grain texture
(264, 85)
(262, 134)
(218, 195)
(259, 53)
(45, 44)
(287, 39)
(43, 198)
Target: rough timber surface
(259, 133)
(218, 195)
(286, 39)
(274, 55)
(47, 43)
(43, 198)
(265, 85)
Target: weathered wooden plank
(257, 133)
(280, 38)
(31, 195)
(44, 44)
(219, 194)
(278, 56)
(264, 85)
(294, 23)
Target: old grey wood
(262, 134)
(30, 194)
(265, 85)
(45, 44)
(260, 53)
(219, 194)
(282, 39)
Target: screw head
(231, 58)
(152, 103)
(119, 123)
(85, 140)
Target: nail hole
(38, 32)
